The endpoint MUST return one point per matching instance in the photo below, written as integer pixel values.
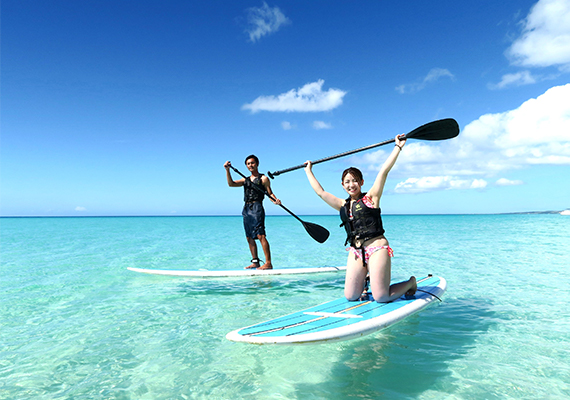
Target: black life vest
(253, 190)
(366, 222)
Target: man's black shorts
(253, 219)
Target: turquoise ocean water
(76, 324)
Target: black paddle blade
(437, 130)
(317, 232)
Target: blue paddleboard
(340, 319)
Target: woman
(369, 252)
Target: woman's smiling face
(352, 185)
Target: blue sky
(132, 107)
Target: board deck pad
(204, 273)
(340, 319)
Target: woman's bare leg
(355, 276)
(380, 266)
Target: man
(253, 213)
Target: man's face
(251, 164)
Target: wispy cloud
(433, 75)
(264, 20)
(309, 98)
(286, 125)
(516, 79)
(543, 42)
(321, 125)
(508, 182)
(536, 133)
(79, 208)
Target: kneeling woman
(369, 252)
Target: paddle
(437, 130)
(317, 232)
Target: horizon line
(268, 215)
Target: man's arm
(267, 185)
(231, 182)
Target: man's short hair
(254, 158)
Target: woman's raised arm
(375, 193)
(330, 199)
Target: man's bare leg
(253, 250)
(266, 251)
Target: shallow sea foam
(75, 323)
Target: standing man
(254, 188)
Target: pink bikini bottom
(368, 251)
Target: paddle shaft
(317, 232)
(436, 130)
(267, 194)
(346, 153)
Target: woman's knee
(381, 296)
(352, 293)
(382, 299)
(352, 297)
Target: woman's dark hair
(254, 157)
(354, 172)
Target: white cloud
(545, 39)
(321, 125)
(544, 42)
(516, 79)
(432, 183)
(309, 98)
(508, 182)
(79, 208)
(536, 133)
(286, 125)
(264, 20)
(433, 75)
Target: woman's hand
(400, 141)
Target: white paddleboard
(203, 273)
(340, 319)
